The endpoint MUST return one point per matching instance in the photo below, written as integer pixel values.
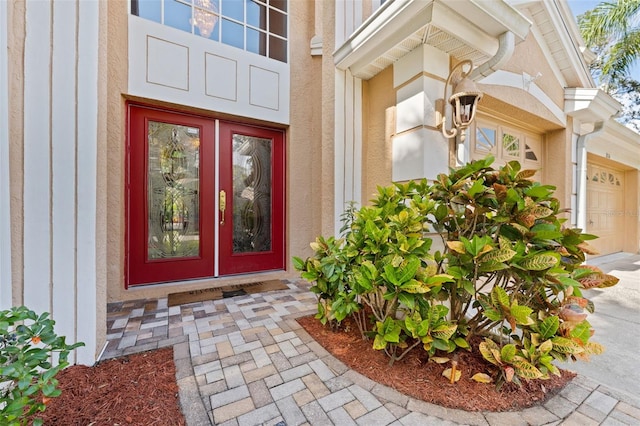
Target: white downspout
(506, 47)
(581, 171)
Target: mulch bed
(415, 376)
(137, 389)
(141, 389)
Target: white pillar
(87, 190)
(61, 99)
(5, 199)
(419, 150)
(37, 165)
(348, 143)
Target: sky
(580, 6)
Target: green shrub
(27, 368)
(509, 271)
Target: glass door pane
(173, 178)
(251, 194)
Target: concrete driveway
(616, 321)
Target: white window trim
(503, 127)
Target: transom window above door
(257, 26)
(506, 143)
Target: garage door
(605, 207)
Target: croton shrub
(508, 272)
(28, 367)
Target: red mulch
(414, 375)
(141, 389)
(137, 389)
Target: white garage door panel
(605, 207)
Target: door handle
(222, 200)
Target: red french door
(251, 199)
(190, 216)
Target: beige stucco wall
(307, 157)
(632, 211)
(379, 101)
(117, 71)
(327, 120)
(529, 58)
(518, 103)
(558, 166)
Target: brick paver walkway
(246, 361)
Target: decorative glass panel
(173, 186)
(251, 194)
(511, 145)
(485, 139)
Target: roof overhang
(617, 142)
(465, 29)
(589, 105)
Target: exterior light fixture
(464, 101)
(205, 16)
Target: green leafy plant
(27, 368)
(509, 271)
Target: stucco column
(419, 148)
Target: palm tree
(612, 31)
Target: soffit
(464, 29)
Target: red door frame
(237, 263)
(139, 269)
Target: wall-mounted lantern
(464, 101)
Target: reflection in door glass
(173, 181)
(251, 194)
